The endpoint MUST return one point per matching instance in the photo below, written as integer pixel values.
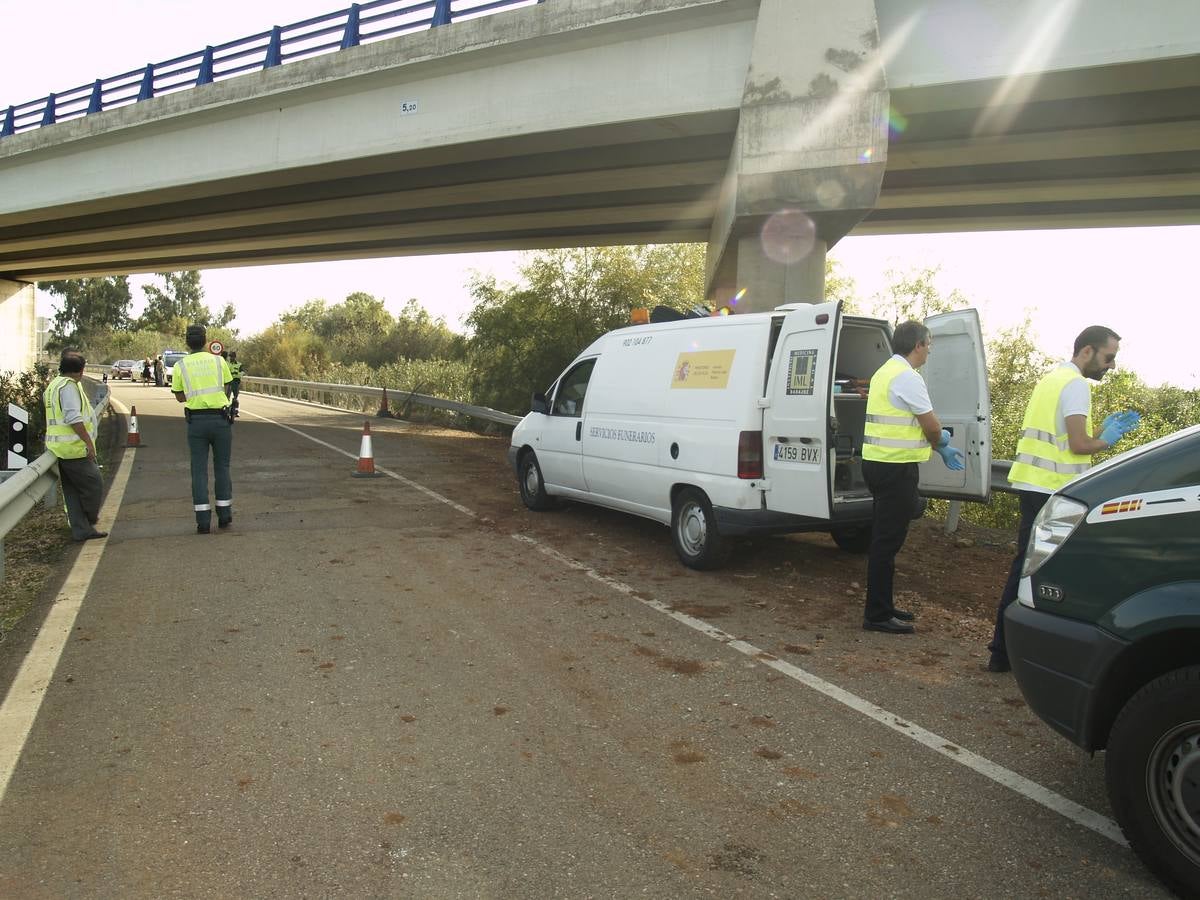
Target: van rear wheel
(694, 531)
(533, 488)
(856, 539)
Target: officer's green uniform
(201, 378)
(236, 369)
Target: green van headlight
(1054, 524)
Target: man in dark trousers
(1056, 445)
(200, 381)
(71, 437)
(901, 432)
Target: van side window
(571, 390)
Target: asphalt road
(412, 687)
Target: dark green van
(1104, 639)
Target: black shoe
(226, 523)
(202, 529)
(91, 537)
(999, 663)
(889, 626)
(903, 615)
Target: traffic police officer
(1056, 444)
(201, 382)
(71, 437)
(236, 368)
(901, 431)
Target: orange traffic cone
(134, 438)
(385, 411)
(366, 459)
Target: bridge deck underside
(1118, 145)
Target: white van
(744, 424)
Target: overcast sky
(1142, 282)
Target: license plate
(802, 453)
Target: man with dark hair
(71, 437)
(201, 381)
(1056, 444)
(901, 432)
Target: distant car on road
(123, 368)
(170, 357)
(1105, 639)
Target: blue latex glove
(1117, 425)
(946, 437)
(951, 456)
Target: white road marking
(388, 472)
(28, 689)
(1031, 790)
(1027, 788)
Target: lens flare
(738, 296)
(788, 236)
(830, 193)
(897, 123)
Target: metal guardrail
(21, 492)
(325, 394)
(361, 23)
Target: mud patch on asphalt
(737, 858)
(889, 812)
(680, 666)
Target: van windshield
(169, 359)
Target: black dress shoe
(889, 626)
(201, 529)
(999, 663)
(91, 537)
(903, 615)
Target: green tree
(523, 336)
(418, 335)
(840, 286)
(86, 306)
(285, 350)
(179, 302)
(914, 295)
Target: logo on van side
(621, 434)
(705, 369)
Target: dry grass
(32, 552)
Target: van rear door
(956, 374)
(796, 451)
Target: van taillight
(750, 459)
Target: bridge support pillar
(18, 331)
(808, 156)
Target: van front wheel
(1153, 774)
(694, 531)
(533, 489)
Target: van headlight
(1054, 524)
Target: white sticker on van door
(802, 367)
(703, 369)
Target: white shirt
(908, 390)
(1075, 400)
(72, 405)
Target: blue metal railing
(362, 23)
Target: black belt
(208, 412)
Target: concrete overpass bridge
(586, 122)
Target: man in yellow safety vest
(901, 432)
(201, 382)
(1056, 444)
(71, 437)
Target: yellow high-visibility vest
(61, 439)
(201, 378)
(892, 434)
(1044, 456)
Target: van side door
(796, 450)
(956, 374)
(560, 444)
